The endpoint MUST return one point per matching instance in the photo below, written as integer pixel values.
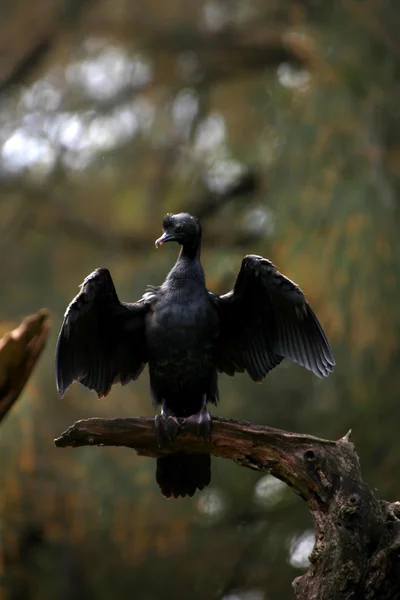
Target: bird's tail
(181, 474)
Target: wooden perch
(357, 536)
(19, 352)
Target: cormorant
(187, 335)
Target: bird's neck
(188, 268)
(190, 252)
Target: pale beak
(166, 237)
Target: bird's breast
(180, 329)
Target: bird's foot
(167, 428)
(199, 423)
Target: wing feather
(264, 319)
(102, 340)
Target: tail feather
(181, 474)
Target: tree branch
(231, 51)
(20, 350)
(357, 536)
(28, 36)
(143, 239)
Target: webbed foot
(167, 428)
(199, 423)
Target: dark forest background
(277, 123)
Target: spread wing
(264, 319)
(102, 340)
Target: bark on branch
(20, 350)
(356, 555)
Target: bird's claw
(199, 423)
(167, 429)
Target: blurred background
(277, 123)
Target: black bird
(187, 335)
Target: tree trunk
(356, 554)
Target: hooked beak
(166, 237)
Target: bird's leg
(167, 426)
(199, 423)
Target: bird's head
(182, 228)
